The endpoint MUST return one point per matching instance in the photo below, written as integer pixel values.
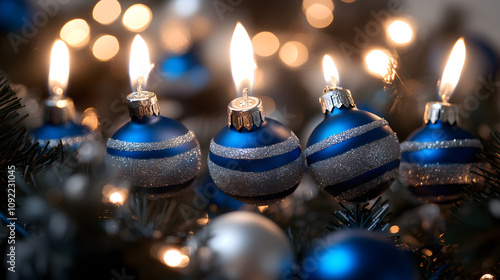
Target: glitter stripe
(340, 137)
(68, 141)
(438, 174)
(252, 184)
(413, 146)
(355, 162)
(362, 189)
(150, 146)
(256, 153)
(158, 172)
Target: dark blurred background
(189, 44)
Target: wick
(139, 87)
(245, 94)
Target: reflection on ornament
(352, 154)
(355, 254)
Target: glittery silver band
(355, 162)
(361, 189)
(340, 137)
(438, 174)
(158, 172)
(256, 153)
(251, 184)
(413, 146)
(150, 146)
(68, 141)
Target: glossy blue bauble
(436, 161)
(353, 154)
(257, 166)
(69, 134)
(356, 255)
(158, 154)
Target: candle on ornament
(157, 154)
(437, 158)
(59, 110)
(254, 159)
(352, 154)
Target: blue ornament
(255, 160)
(352, 154)
(437, 158)
(157, 154)
(59, 125)
(356, 255)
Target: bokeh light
(90, 119)
(114, 194)
(306, 4)
(137, 18)
(106, 11)
(174, 258)
(105, 47)
(348, 1)
(185, 8)
(378, 62)
(400, 32)
(265, 43)
(175, 36)
(76, 33)
(116, 198)
(394, 229)
(319, 16)
(293, 53)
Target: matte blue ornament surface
(356, 255)
(69, 133)
(158, 154)
(353, 154)
(257, 166)
(437, 160)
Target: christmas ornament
(352, 154)
(59, 110)
(242, 245)
(153, 152)
(254, 159)
(437, 158)
(356, 254)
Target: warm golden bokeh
(400, 32)
(137, 18)
(76, 33)
(105, 47)
(106, 11)
(175, 36)
(319, 16)
(306, 4)
(294, 53)
(265, 43)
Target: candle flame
(140, 65)
(242, 61)
(59, 69)
(452, 71)
(330, 71)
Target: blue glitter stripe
(339, 188)
(443, 156)
(436, 190)
(256, 165)
(154, 154)
(349, 144)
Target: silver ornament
(244, 246)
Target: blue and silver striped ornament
(352, 154)
(437, 158)
(261, 165)
(158, 155)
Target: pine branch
(360, 216)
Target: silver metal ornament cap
(245, 112)
(446, 112)
(335, 97)
(59, 110)
(143, 104)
